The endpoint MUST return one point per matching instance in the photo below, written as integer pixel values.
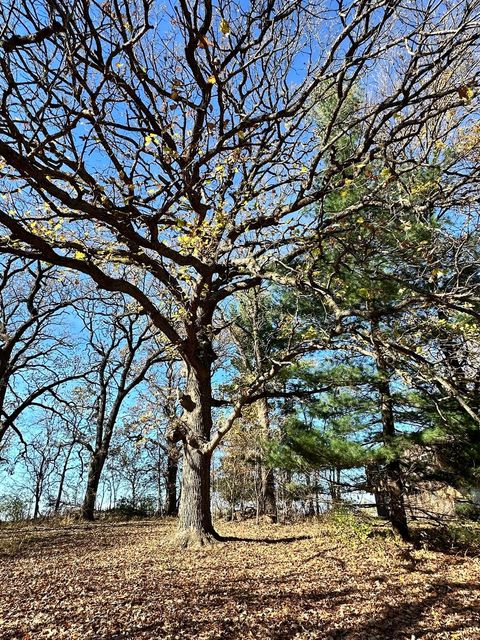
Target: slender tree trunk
(58, 501)
(268, 502)
(133, 484)
(171, 506)
(160, 502)
(287, 503)
(36, 509)
(309, 507)
(114, 491)
(317, 493)
(39, 483)
(38, 493)
(94, 473)
(232, 505)
(335, 487)
(195, 519)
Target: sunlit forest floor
(118, 581)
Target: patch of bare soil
(304, 582)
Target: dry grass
(125, 581)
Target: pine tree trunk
(396, 502)
(393, 473)
(195, 519)
(268, 502)
(376, 484)
(267, 505)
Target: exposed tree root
(194, 538)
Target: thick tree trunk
(393, 473)
(195, 519)
(94, 473)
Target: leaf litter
(110, 581)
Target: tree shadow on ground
(390, 623)
(265, 540)
(404, 619)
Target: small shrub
(468, 511)
(464, 538)
(126, 508)
(454, 537)
(348, 525)
(13, 508)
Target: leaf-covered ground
(122, 581)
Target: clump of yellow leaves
(200, 236)
(151, 138)
(224, 27)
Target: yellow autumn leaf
(224, 27)
(212, 80)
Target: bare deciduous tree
(33, 343)
(123, 351)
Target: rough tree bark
(394, 485)
(377, 486)
(97, 462)
(195, 525)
